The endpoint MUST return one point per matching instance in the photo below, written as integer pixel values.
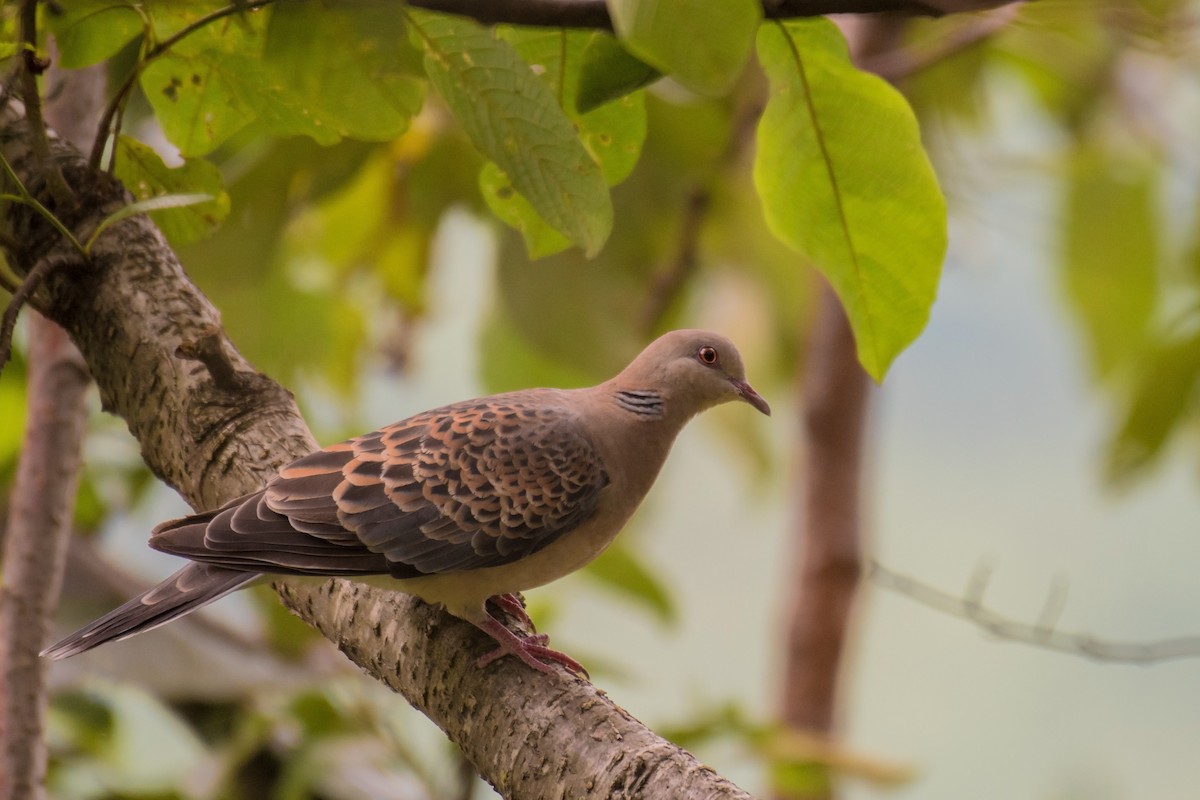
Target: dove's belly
(464, 593)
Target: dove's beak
(747, 393)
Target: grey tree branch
(39, 525)
(827, 539)
(130, 310)
(1044, 633)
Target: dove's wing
(476, 484)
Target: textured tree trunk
(214, 429)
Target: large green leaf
(89, 31)
(844, 180)
(146, 176)
(196, 87)
(316, 71)
(511, 208)
(1110, 252)
(703, 44)
(514, 119)
(350, 65)
(194, 101)
(612, 134)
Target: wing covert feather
(471, 485)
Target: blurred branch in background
(671, 282)
(827, 549)
(899, 63)
(39, 525)
(43, 493)
(1044, 632)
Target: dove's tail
(190, 588)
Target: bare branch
(39, 525)
(827, 540)
(20, 297)
(1043, 633)
(669, 283)
(903, 62)
(31, 67)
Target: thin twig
(1040, 634)
(209, 350)
(668, 283)
(902, 63)
(20, 297)
(32, 66)
(26, 197)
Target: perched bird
(460, 505)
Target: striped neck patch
(643, 403)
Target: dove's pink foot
(511, 604)
(530, 649)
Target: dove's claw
(511, 604)
(531, 649)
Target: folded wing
(468, 486)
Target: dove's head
(695, 370)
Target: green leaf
(516, 212)
(619, 569)
(1110, 253)
(187, 202)
(701, 43)
(337, 81)
(844, 180)
(608, 71)
(350, 67)
(1165, 391)
(613, 134)
(195, 102)
(89, 31)
(513, 118)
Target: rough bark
(39, 525)
(529, 736)
(214, 429)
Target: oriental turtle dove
(460, 505)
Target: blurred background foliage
(321, 252)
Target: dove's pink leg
(512, 604)
(530, 649)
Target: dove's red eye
(707, 355)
